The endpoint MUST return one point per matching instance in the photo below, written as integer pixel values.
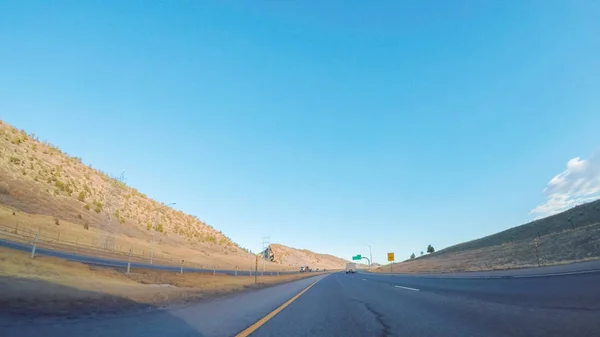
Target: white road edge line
(559, 274)
(407, 288)
(364, 279)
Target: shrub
(87, 206)
(15, 160)
(60, 185)
(98, 205)
(86, 225)
(81, 196)
(56, 222)
(159, 227)
(79, 216)
(24, 172)
(149, 226)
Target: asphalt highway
(365, 304)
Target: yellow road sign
(390, 256)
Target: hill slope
(39, 179)
(293, 257)
(572, 235)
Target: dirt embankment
(47, 286)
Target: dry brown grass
(72, 237)
(52, 286)
(38, 178)
(567, 246)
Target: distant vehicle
(302, 269)
(350, 268)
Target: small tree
(159, 227)
(430, 249)
(81, 196)
(421, 253)
(412, 256)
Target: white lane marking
(558, 274)
(364, 279)
(407, 288)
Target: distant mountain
(293, 257)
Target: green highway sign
(357, 257)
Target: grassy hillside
(37, 177)
(43, 188)
(577, 217)
(573, 235)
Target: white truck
(350, 268)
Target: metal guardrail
(24, 238)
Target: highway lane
(224, 316)
(366, 304)
(380, 305)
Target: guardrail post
(235, 271)
(129, 262)
(181, 271)
(58, 237)
(34, 244)
(214, 271)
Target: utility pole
(370, 256)
(256, 269)
(154, 229)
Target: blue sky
(324, 125)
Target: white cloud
(579, 183)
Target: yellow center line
(265, 319)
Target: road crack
(385, 329)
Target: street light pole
(154, 229)
(370, 256)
